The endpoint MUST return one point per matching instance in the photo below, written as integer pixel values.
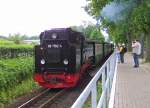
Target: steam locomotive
(64, 55)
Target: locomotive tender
(64, 55)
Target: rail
(43, 100)
(108, 77)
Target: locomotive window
(53, 55)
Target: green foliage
(16, 38)
(140, 18)
(94, 7)
(99, 92)
(11, 94)
(117, 30)
(14, 71)
(96, 35)
(134, 21)
(4, 42)
(90, 32)
(11, 44)
(8, 49)
(14, 52)
(15, 78)
(136, 17)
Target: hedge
(15, 51)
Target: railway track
(70, 96)
(43, 99)
(48, 98)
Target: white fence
(108, 79)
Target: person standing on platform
(123, 50)
(118, 53)
(136, 50)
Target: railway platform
(132, 85)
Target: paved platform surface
(132, 85)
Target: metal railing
(107, 74)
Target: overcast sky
(33, 16)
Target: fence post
(94, 96)
(103, 85)
(111, 71)
(108, 77)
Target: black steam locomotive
(64, 55)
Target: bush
(14, 71)
(11, 94)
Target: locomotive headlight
(42, 61)
(54, 36)
(66, 62)
(41, 48)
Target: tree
(16, 38)
(131, 21)
(141, 23)
(90, 32)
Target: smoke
(116, 11)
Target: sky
(31, 17)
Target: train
(64, 55)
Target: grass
(11, 44)
(15, 74)
(87, 104)
(99, 91)
(13, 71)
(11, 94)
(15, 78)
(6, 42)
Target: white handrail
(108, 70)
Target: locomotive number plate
(54, 46)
